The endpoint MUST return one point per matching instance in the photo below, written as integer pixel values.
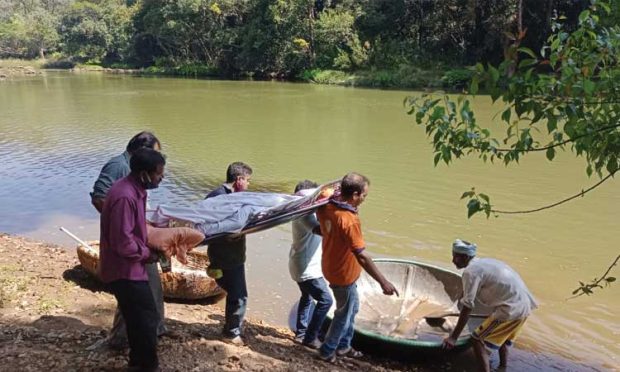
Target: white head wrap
(463, 247)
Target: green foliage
(333, 77)
(276, 38)
(59, 63)
(28, 35)
(97, 31)
(457, 78)
(337, 43)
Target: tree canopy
(275, 37)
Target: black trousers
(135, 300)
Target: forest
(386, 42)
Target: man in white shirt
(305, 268)
(494, 284)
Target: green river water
(57, 130)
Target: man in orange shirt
(342, 263)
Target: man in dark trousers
(227, 258)
(115, 169)
(124, 255)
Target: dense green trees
(98, 31)
(278, 37)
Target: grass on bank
(404, 76)
(15, 62)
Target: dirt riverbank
(51, 310)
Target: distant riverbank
(405, 77)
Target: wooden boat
(184, 282)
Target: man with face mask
(124, 254)
(115, 169)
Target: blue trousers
(233, 282)
(308, 327)
(340, 332)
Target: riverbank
(51, 310)
(11, 68)
(403, 77)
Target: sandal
(349, 352)
(329, 359)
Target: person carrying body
(115, 169)
(305, 269)
(227, 259)
(494, 284)
(343, 259)
(124, 254)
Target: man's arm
(97, 202)
(111, 172)
(366, 262)
(450, 341)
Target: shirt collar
(228, 188)
(343, 205)
(137, 185)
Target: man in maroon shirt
(124, 254)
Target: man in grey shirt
(115, 169)
(305, 269)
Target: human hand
(448, 343)
(389, 289)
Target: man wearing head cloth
(493, 284)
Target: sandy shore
(51, 310)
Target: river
(57, 130)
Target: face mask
(148, 183)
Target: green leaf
(612, 165)
(588, 86)
(552, 124)
(484, 197)
(468, 194)
(611, 279)
(506, 115)
(473, 87)
(473, 207)
(550, 153)
(494, 73)
(527, 51)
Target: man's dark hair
(237, 169)
(140, 140)
(146, 159)
(352, 183)
(305, 184)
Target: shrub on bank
(457, 78)
(61, 63)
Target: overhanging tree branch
(559, 143)
(581, 194)
(596, 282)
